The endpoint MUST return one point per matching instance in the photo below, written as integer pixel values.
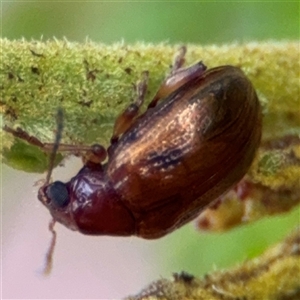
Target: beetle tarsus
(179, 59)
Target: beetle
(197, 139)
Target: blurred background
(111, 268)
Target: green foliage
(27, 157)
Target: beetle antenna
(49, 255)
(60, 126)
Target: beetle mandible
(195, 141)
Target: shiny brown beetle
(195, 141)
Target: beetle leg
(95, 153)
(23, 135)
(177, 77)
(126, 118)
(179, 60)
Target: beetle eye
(57, 193)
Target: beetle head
(56, 197)
(88, 203)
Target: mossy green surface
(94, 82)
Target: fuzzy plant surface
(93, 83)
